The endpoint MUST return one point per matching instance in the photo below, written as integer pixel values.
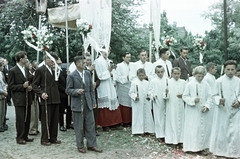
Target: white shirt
(22, 69)
(166, 64)
(82, 75)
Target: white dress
(225, 137)
(107, 97)
(123, 84)
(148, 67)
(157, 87)
(196, 128)
(142, 120)
(174, 112)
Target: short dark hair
(78, 58)
(53, 54)
(158, 66)
(125, 53)
(140, 51)
(163, 51)
(183, 48)
(19, 55)
(1, 64)
(230, 62)
(210, 65)
(141, 70)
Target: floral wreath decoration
(40, 40)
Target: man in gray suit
(80, 88)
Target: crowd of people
(181, 106)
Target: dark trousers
(52, 118)
(22, 127)
(62, 106)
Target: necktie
(167, 71)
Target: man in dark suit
(6, 68)
(18, 84)
(46, 88)
(183, 63)
(80, 88)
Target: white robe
(157, 87)
(197, 125)
(225, 137)
(107, 97)
(164, 63)
(142, 120)
(148, 67)
(123, 83)
(174, 112)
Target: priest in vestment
(225, 136)
(123, 86)
(109, 113)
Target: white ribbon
(57, 68)
(200, 57)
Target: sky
(185, 13)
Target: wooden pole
(225, 30)
(67, 49)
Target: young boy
(211, 71)
(225, 136)
(158, 89)
(142, 120)
(175, 109)
(197, 96)
(3, 95)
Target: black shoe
(106, 129)
(70, 126)
(2, 129)
(62, 128)
(5, 127)
(97, 134)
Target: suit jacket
(5, 72)
(15, 84)
(50, 87)
(185, 68)
(74, 83)
(62, 84)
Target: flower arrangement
(83, 26)
(168, 41)
(199, 43)
(41, 38)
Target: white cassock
(148, 67)
(196, 128)
(225, 137)
(174, 112)
(157, 88)
(107, 97)
(142, 120)
(123, 83)
(167, 65)
(72, 67)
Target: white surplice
(157, 88)
(107, 97)
(148, 67)
(174, 112)
(225, 137)
(197, 128)
(123, 83)
(166, 64)
(142, 120)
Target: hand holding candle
(222, 100)
(166, 87)
(137, 98)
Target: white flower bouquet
(83, 26)
(199, 43)
(168, 41)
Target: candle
(221, 71)
(197, 90)
(167, 82)
(137, 89)
(188, 77)
(166, 87)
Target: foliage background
(127, 34)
